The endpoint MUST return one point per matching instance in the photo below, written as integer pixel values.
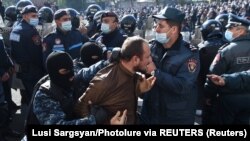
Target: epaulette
(191, 47)
(223, 46)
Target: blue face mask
(66, 26)
(105, 28)
(229, 35)
(162, 37)
(33, 21)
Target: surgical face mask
(162, 37)
(33, 21)
(66, 26)
(105, 28)
(229, 35)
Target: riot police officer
(75, 18)
(63, 38)
(223, 19)
(212, 35)
(10, 18)
(97, 21)
(128, 25)
(10, 15)
(90, 12)
(45, 15)
(26, 49)
(230, 59)
(19, 6)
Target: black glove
(100, 113)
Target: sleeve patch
(15, 37)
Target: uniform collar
(176, 45)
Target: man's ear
(57, 22)
(136, 60)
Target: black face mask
(57, 61)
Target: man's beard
(138, 69)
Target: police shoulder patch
(192, 65)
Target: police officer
(6, 104)
(212, 35)
(128, 25)
(172, 100)
(57, 92)
(232, 58)
(26, 49)
(110, 36)
(19, 6)
(223, 19)
(10, 15)
(45, 15)
(75, 18)
(97, 21)
(90, 53)
(10, 18)
(63, 38)
(90, 12)
(238, 81)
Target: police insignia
(36, 39)
(57, 41)
(192, 65)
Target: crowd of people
(72, 72)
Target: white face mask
(105, 28)
(33, 21)
(162, 37)
(66, 26)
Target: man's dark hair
(132, 46)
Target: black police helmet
(97, 16)
(75, 17)
(91, 10)
(21, 4)
(210, 29)
(11, 13)
(223, 19)
(128, 24)
(46, 15)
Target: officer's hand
(119, 120)
(217, 80)
(146, 84)
(5, 76)
(100, 113)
